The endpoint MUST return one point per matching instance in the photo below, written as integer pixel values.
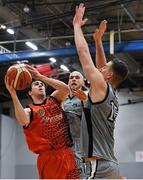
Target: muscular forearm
(100, 55)
(83, 52)
(81, 44)
(82, 47)
(19, 111)
(56, 84)
(79, 39)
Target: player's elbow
(22, 120)
(66, 90)
(82, 49)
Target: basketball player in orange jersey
(46, 128)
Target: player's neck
(70, 94)
(39, 99)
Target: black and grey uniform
(73, 108)
(97, 135)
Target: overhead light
(52, 59)
(10, 31)
(64, 67)
(26, 8)
(23, 61)
(68, 43)
(31, 45)
(2, 26)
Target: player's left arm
(100, 59)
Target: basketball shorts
(103, 169)
(57, 164)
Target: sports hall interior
(48, 25)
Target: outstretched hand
(78, 18)
(9, 86)
(100, 31)
(34, 72)
(79, 94)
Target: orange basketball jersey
(48, 129)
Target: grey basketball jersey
(97, 127)
(73, 108)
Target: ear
(29, 93)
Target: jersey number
(114, 112)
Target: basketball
(21, 76)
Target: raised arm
(62, 89)
(100, 55)
(22, 115)
(93, 75)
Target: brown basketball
(21, 76)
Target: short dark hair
(120, 69)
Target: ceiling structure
(48, 24)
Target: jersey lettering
(114, 112)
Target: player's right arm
(22, 115)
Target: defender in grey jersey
(97, 130)
(98, 126)
(101, 109)
(73, 107)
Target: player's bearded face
(75, 82)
